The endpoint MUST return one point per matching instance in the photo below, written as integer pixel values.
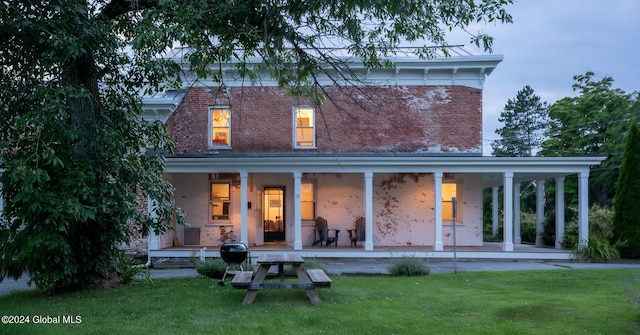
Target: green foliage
(592, 123)
(601, 247)
(409, 266)
(72, 136)
(212, 268)
(525, 120)
(129, 269)
(626, 225)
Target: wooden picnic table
(265, 263)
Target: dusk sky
(550, 41)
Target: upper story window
(220, 127)
(304, 125)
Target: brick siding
(351, 120)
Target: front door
(273, 209)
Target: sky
(550, 41)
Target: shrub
(212, 268)
(600, 247)
(598, 250)
(128, 269)
(407, 266)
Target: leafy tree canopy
(72, 137)
(592, 123)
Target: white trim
(508, 212)
(438, 245)
(294, 134)
(559, 211)
(210, 144)
(540, 199)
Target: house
(258, 166)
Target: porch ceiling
(491, 168)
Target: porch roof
(491, 168)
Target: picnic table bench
(306, 279)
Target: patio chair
(322, 233)
(357, 234)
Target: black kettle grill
(232, 254)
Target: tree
(73, 71)
(525, 121)
(593, 123)
(626, 227)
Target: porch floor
(490, 250)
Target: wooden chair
(324, 234)
(357, 234)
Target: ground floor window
(220, 200)
(450, 207)
(308, 200)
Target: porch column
(154, 239)
(517, 233)
(494, 211)
(437, 211)
(540, 213)
(507, 212)
(583, 209)
(297, 210)
(244, 208)
(559, 211)
(368, 210)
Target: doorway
(273, 214)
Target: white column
(494, 211)
(153, 243)
(244, 205)
(583, 209)
(559, 211)
(517, 234)
(540, 213)
(507, 212)
(297, 210)
(437, 211)
(368, 210)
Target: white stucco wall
(402, 208)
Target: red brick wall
(377, 119)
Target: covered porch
(477, 172)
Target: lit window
(450, 191)
(308, 201)
(220, 130)
(220, 200)
(305, 132)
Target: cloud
(551, 41)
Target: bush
(601, 247)
(407, 266)
(598, 250)
(212, 268)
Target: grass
(527, 302)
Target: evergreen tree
(627, 212)
(525, 121)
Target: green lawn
(527, 302)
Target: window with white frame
(450, 191)
(308, 200)
(304, 125)
(220, 127)
(220, 200)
